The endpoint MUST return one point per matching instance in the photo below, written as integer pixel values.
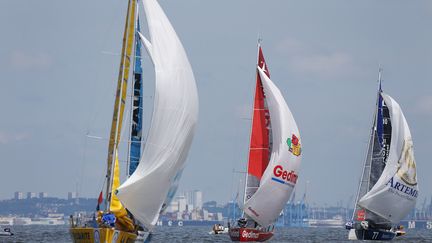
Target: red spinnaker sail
(259, 144)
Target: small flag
(100, 199)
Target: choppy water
(59, 234)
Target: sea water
(190, 234)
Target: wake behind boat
(388, 188)
(274, 159)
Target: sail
(377, 153)
(280, 176)
(137, 107)
(259, 141)
(172, 191)
(173, 121)
(115, 205)
(394, 194)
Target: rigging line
(118, 54)
(107, 32)
(107, 139)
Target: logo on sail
(407, 167)
(283, 176)
(293, 145)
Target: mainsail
(137, 107)
(259, 147)
(280, 175)
(173, 121)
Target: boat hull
(249, 234)
(374, 234)
(101, 235)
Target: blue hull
(374, 234)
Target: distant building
(43, 195)
(197, 199)
(173, 207)
(72, 195)
(181, 203)
(31, 195)
(219, 216)
(19, 195)
(206, 215)
(194, 199)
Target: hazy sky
(59, 64)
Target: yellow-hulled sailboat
(154, 177)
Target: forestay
(280, 177)
(394, 194)
(173, 121)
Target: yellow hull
(101, 235)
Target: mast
(121, 92)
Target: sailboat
(274, 160)
(154, 170)
(388, 189)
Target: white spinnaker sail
(280, 177)
(173, 121)
(395, 193)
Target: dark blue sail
(380, 120)
(137, 105)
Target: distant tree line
(43, 206)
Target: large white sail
(280, 177)
(394, 194)
(173, 121)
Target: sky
(59, 64)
